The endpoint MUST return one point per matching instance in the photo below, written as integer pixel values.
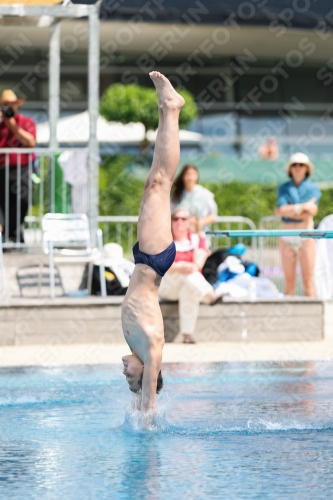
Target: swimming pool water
(226, 431)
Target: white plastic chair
(66, 238)
(2, 271)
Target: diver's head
(133, 371)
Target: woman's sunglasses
(179, 218)
(298, 165)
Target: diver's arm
(149, 380)
(136, 401)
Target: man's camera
(7, 111)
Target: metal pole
(101, 265)
(7, 199)
(54, 82)
(277, 233)
(2, 270)
(18, 200)
(51, 268)
(93, 107)
(54, 91)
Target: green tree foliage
(249, 200)
(133, 103)
(325, 204)
(120, 194)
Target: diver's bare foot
(167, 96)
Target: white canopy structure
(74, 129)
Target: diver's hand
(148, 419)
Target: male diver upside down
(154, 253)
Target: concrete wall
(328, 320)
(97, 320)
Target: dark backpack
(113, 285)
(209, 270)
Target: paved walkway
(204, 352)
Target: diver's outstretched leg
(154, 227)
(158, 139)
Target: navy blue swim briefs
(160, 262)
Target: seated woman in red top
(184, 281)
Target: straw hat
(300, 158)
(9, 97)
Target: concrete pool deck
(71, 331)
(97, 320)
(43, 332)
(202, 352)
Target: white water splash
(137, 420)
(261, 425)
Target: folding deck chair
(66, 238)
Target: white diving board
(265, 233)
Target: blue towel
(290, 194)
(225, 275)
(238, 249)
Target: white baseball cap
(112, 254)
(300, 158)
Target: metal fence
(269, 256)
(32, 187)
(122, 230)
(37, 185)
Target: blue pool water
(225, 431)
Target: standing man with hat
(297, 205)
(16, 131)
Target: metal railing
(119, 229)
(270, 258)
(2, 272)
(32, 187)
(36, 185)
(122, 230)
(234, 222)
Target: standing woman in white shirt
(189, 195)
